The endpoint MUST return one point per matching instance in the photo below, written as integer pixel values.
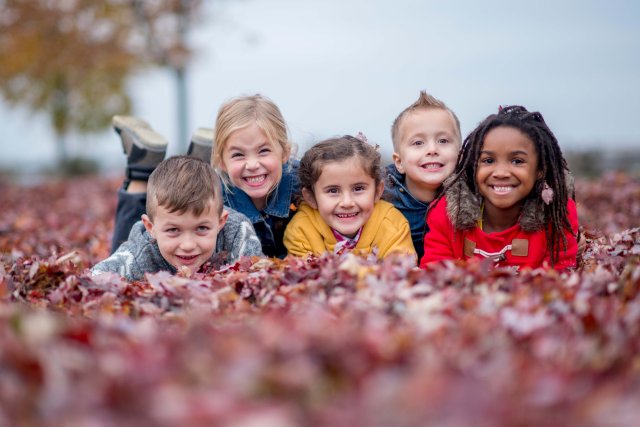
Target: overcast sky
(343, 66)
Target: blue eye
(418, 142)
(443, 141)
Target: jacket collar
(463, 208)
(278, 202)
(397, 185)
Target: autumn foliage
(334, 340)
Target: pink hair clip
(361, 136)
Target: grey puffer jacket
(140, 253)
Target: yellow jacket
(387, 229)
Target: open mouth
(502, 189)
(255, 181)
(347, 215)
(187, 259)
(432, 166)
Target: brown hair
(336, 150)
(240, 112)
(424, 102)
(183, 184)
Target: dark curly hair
(336, 150)
(551, 165)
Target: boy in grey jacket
(185, 224)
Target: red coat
(529, 249)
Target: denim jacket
(271, 221)
(414, 210)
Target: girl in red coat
(508, 198)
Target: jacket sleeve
(123, 262)
(295, 238)
(567, 258)
(438, 244)
(398, 239)
(239, 237)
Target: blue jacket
(414, 210)
(271, 221)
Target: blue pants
(130, 208)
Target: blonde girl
(252, 154)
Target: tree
(69, 59)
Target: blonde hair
(241, 112)
(424, 102)
(183, 184)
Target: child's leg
(145, 149)
(201, 144)
(130, 208)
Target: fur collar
(463, 208)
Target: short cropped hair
(424, 102)
(183, 184)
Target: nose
(501, 171)
(187, 243)
(252, 163)
(347, 200)
(432, 148)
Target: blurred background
(332, 66)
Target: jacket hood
(463, 207)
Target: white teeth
(502, 189)
(255, 179)
(432, 166)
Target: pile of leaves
(331, 340)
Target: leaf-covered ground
(335, 340)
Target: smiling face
(253, 163)
(184, 239)
(427, 150)
(345, 195)
(507, 171)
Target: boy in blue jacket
(426, 141)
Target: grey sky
(343, 66)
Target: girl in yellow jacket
(341, 185)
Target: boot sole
(139, 133)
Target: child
(507, 199)
(252, 154)
(426, 141)
(341, 185)
(185, 224)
